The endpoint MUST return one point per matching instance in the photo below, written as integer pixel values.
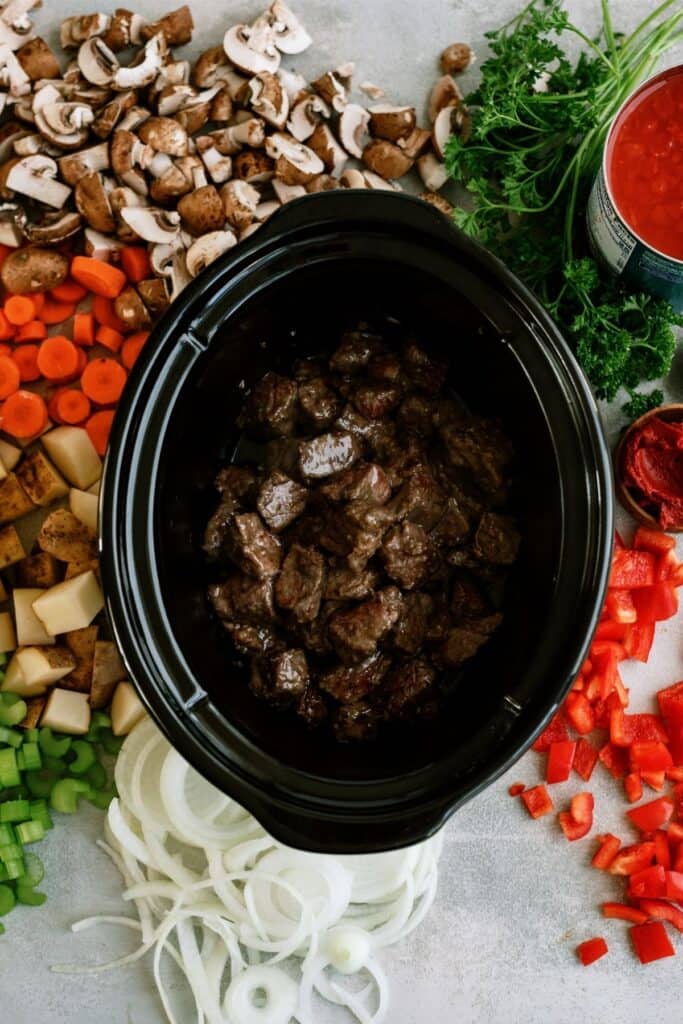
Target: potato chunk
(44, 665)
(10, 455)
(39, 570)
(70, 605)
(74, 454)
(66, 537)
(14, 501)
(8, 636)
(67, 711)
(107, 671)
(126, 709)
(81, 643)
(30, 629)
(40, 479)
(84, 506)
(11, 548)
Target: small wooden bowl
(672, 412)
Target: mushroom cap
(353, 126)
(268, 98)
(290, 34)
(136, 76)
(129, 307)
(208, 248)
(285, 193)
(64, 124)
(210, 67)
(152, 224)
(386, 159)
(324, 145)
(456, 57)
(250, 52)
(295, 163)
(432, 171)
(72, 166)
(202, 210)
(353, 178)
(53, 227)
(96, 61)
(253, 165)
(164, 135)
(391, 122)
(444, 92)
(240, 200)
(92, 202)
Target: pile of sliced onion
(260, 931)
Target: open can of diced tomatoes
(635, 209)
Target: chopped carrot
(34, 330)
(109, 338)
(82, 362)
(9, 376)
(103, 311)
(69, 291)
(71, 406)
(103, 380)
(38, 301)
(97, 276)
(57, 312)
(132, 347)
(6, 328)
(84, 329)
(135, 263)
(99, 428)
(24, 414)
(19, 309)
(57, 357)
(5, 350)
(26, 358)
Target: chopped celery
(7, 899)
(97, 775)
(40, 812)
(14, 810)
(9, 773)
(10, 852)
(85, 757)
(12, 714)
(53, 746)
(34, 872)
(102, 798)
(28, 896)
(7, 835)
(31, 756)
(11, 737)
(40, 783)
(30, 832)
(65, 794)
(110, 743)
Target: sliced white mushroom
(16, 28)
(132, 120)
(444, 93)
(152, 224)
(265, 210)
(64, 124)
(12, 75)
(268, 99)
(295, 163)
(96, 61)
(32, 143)
(74, 31)
(251, 132)
(290, 34)
(285, 193)
(173, 98)
(128, 157)
(100, 246)
(353, 178)
(310, 110)
(12, 223)
(218, 166)
(376, 181)
(168, 260)
(432, 171)
(353, 127)
(53, 228)
(35, 176)
(294, 84)
(164, 135)
(325, 146)
(11, 132)
(334, 86)
(136, 76)
(448, 121)
(240, 200)
(375, 92)
(251, 50)
(208, 248)
(75, 165)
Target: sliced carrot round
(103, 380)
(57, 312)
(103, 311)
(5, 350)
(26, 358)
(97, 276)
(132, 347)
(57, 358)
(135, 263)
(69, 291)
(24, 414)
(34, 330)
(99, 428)
(10, 378)
(19, 309)
(71, 406)
(6, 328)
(84, 329)
(109, 338)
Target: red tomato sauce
(645, 165)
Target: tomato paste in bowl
(649, 468)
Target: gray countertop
(514, 897)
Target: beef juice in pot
(635, 210)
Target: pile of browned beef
(366, 553)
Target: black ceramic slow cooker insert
(319, 266)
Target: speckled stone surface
(514, 898)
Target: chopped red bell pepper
(655, 780)
(678, 859)
(675, 832)
(537, 801)
(591, 950)
(627, 729)
(638, 643)
(623, 912)
(651, 942)
(650, 817)
(650, 883)
(632, 569)
(657, 603)
(676, 742)
(633, 787)
(585, 759)
(609, 847)
(579, 713)
(578, 820)
(554, 732)
(675, 774)
(650, 756)
(516, 789)
(662, 849)
(670, 702)
(633, 858)
(674, 886)
(667, 568)
(663, 911)
(609, 630)
(655, 541)
(615, 760)
(620, 607)
(560, 761)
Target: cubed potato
(126, 709)
(39, 570)
(40, 479)
(14, 501)
(3, 470)
(78, 568)
(44, 665)
(74, 454)
(30, 629)
(70, 605)
(11, 548)
(15, 682)
(34, 709)
(67, 711)
(26, 442)
(107, 671)
(95, 489)
(8, 636)
(9, 454)
(81, 643)
(66, 537)
(84, 506)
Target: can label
(625, 255)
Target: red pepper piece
(675, 832)
(655, 780)
(554, 732)
(516, 789)
(638, 643)
(620, 607)
(676, 742)
(591, 950)
(650, 756)
(585, 759)
(655, 541)
(632, 569)
(650, 817)
(670, 702)
(560, 761)
(609, 847)
(650, 883)
(663, 911)
(615, 760)
(657, 603)
(674, 885)
(537, 801)
(579, 713)
(651, 942)
(678, 859)
(609, 630)
(663, 850)
(623, 912)
(627, 729)
(667, 568)
(633, 787)
(578, 821)
(633, 858)
(675, 774)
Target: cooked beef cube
(216, 529)
(497, 539)
(314, 635)
(350, 683)
(351, 420)
(271, 408)
(467, 600)
(400, 455)
(457, 483)
(243, 599)
(355, 531)
(355, 633)
(386, 368)
(418, 412)
(280, 677)
(307, 369)
(343, 583)
(409, 687)
(420, 499)
(355, 351)
(449, 411)
(480, 448)
(251, 639)
(406, 553)
(327, 454)
(280, 501)
(411, 628)
(236, 482)
(299, 587)
(363, 482)
(251, 546)
(311, 706)
(307, 528)
(464, 641)
(454, 526)
(355, 722)
(319, 404)
(375, 401)
(462, 558)
(425, 373)
(283, 454)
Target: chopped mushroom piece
(151, 224)
(240, 200)
(386, 159)
(268, 98)
(35, 176)
(391, 123)
(295, 163)
(456, 57)
(306, 114)
(444, 94)
(353, 127)
(208, 248)
(92, 202)
(176, 27)
(432, 171)
(325, 146)
(251, 52)
(202, 210)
